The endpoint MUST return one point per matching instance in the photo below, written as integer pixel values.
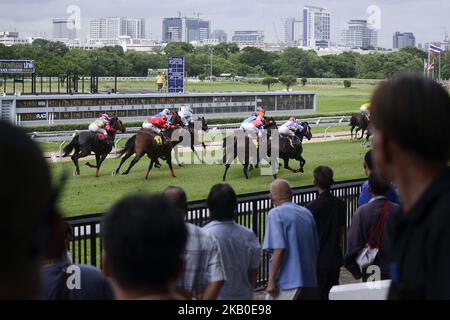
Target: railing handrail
(200, 204)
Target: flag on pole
(435, 49)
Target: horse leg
(246, 170)
(227, 166)
(196, 154)
(135, 160)
(362, 134)
(75, 157)
(177, 160)
(150, 167)
(351, 132)
(169, 163)
(356, 133)
(125, 158)
(286, 166)
(99, 163)
(302, 164)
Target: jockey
(166, 113)
(254, 127)
(290, 128)
(101, 125)
(157, 125)
(185, 114)
(365, 110)
(261, 112)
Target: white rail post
(326, 133)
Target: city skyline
(33, 17)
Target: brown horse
(287, 151)
(87, 142)
(360, 122)
(151, 144)
(242, 150)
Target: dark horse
(193, 132)
(242, 150)
(87, 142)
(150, 143)
(360, 122)
(287, 151)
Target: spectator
(365, 195)
(204, 274)
(160, 80)
(411, 148)
(330, 216)
(292, 241)
(27, 213)
(68, 237)
(57, 272)
(144, 238)
(367, 223)
(240, 248)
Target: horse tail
(68, 149)
(129, 145)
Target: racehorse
(244, 154)
(287, 151)
(147, 142)
(193, 138)
(87, 142)
(360, 122)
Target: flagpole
(429, 56)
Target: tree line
(54, 58)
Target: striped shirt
(203, 262)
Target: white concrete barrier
(374, 290)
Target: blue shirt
(292, 227)
(93, 285)
(240, 251)
(365, 195)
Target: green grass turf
(86, 194)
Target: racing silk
(292, 125)
(185, 114)
(258, 123)
(159, 123)
(102, 123)
(249, 119)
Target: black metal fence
(252, 212)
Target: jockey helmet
(105, 116)
(293, 119)
(166, 111)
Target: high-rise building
(248, 38)
(401, 40)
(291, 31)
(108, 30)
(316, 27)
(220, 35)
(359, 35)
(183, 29)
(64, 29)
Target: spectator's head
(177, 197)
(368, 163)
(26, 215)
(377, 185)
(144, 238)
(323, 178)
(222, 202)
(68, 235)
(280, 192)
(410, 117)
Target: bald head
(177, 197)
(280, 191)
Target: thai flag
(435, 49)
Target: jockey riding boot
(291, 141)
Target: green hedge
(213, 121)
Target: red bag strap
(380, 226)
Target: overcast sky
(428, 19)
